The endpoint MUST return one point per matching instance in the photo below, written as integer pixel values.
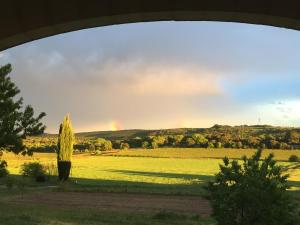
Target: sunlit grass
(178, 169)
(281, 155)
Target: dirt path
(117, 201)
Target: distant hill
(217, 136)
(129, 134)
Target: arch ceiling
(23, 21)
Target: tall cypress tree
(65, 148)
(15, 125)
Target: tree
(15, 125)
(210, 145)
(30, 124)
(292, 137)
(190, 142)
(218, 145)
(107, 146)
(145, 144)
(154, 144)
(102, 145)
(254, 193)
(124, 146)
(200, 140)
(65, 148)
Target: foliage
(65, 148)
(154, 145)
(190, 142)
(240, 137)
(102, 145)
(3, 168)
(65, 140)
(294, 158)
(64, 168)
(33, 169)
(254, 193)
(145, 144)
(15, 124)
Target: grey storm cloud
(151, 75)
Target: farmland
(139, 186)
(163, 171)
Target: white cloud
(283, 113)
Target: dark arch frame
(23, 21)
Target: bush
(294, 158)
(254, 193)
(3, 168)
(33, 169)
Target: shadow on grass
(187, 177)
(194, 184)
(191, 188)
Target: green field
(167, 171)
(200, 153)
(172, 172)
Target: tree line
(218, 136)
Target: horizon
(160, 75)
(175, 128)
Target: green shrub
(294, 158)
(254, 193)
(3, 168)
(33, 169)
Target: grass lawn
(200, 153)
(163, 175)
(164, 171)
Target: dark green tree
(254, 193)
(15, 125)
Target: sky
(162, 75)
